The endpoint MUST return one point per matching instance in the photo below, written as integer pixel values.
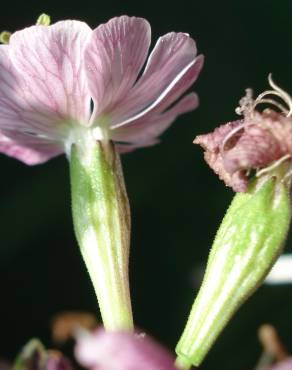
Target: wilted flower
(58, 80)
(259, 141)
(124, 351)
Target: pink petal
(27, 149)
(256, 148)
(266, 137)
(152, 124)
(49, 61)
(212, 144)
(127, 148)
(114, 57)
(16, 113)
(12, 103)
(183, 84)
(21, 125)
(42, 87)
(123, 351)
(172, 59)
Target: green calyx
(101, 218)
(248, 242)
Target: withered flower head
(259, 141)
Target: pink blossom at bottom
(283, 365)
(121, 351)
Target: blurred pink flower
(34, 356)
(257, 141)
(60, 79)
(120, 350)
(283, 365)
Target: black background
(177, 202)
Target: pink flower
(120, 350)
(52, 76)
(282, 365)
(257, 141)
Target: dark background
(177, 202)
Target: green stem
(101, 217)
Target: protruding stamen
(247, 105)
(286, 97)
(272, 102)
(43, 20)
(5, 37)
(278, 92)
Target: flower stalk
(246, 246)
(101, 217)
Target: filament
(286, 97)
(275, 103)
(273, 165)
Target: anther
(4, 37)
(43, 20)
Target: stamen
(4, 37)
(277, 92)
(273, 102)
(43, 20)
(286, 97)
(273, 165)
(247, 105)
